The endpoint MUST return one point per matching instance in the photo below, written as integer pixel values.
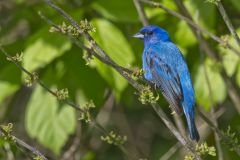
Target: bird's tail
(194, 135)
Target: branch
(170, 152)
(193, 24)
(232, 91)
(210, 123)
(175, 132)
(217, 138)
(156, 107)
(204, 46)
(131, 81)
(228, 22)
(141, 13)
(139, 87)
(204, 126)
(72, 149)
(214, 119)
(70, 103)
(179, 123)
(23, 145)
(199, 37)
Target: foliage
(41, 50)
(231, 139)
(113, 138)
(147, 96)
(218, 87)
(37, 158)
(230, 61)
(202, 150)
(17, 58)
(213, 1)
(31, 78)
(62, 94)
(85, 115)
(8, 132)
(47, 123)
(105, 35)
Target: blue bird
(165, 67)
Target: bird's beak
(138, 35)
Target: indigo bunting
(165, 67)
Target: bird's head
(152, 34)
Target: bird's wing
(167, 79)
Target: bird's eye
(150, 33)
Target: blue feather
(165, 67)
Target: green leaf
(155, 12)
(207, 12)
(216, 82)
(80, 79)
(89, 156)
(183, 30)
(48, 121)
(236, 4)
(230, 60)
(11, 73)
(43, 48)
(123, 10)
(159, 13)
(116, 46)
(238, 76)
(6, 89)
(19, 1)
(10, 78)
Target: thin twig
(204, 46)
(170, 152)
(202, 41)
(211, 124)
(179, 123)
(228, 22)
(132, 82)
(20, 143)
(233, 94)
(156, 107)
(141, 13)
(70, 103)
(217, 114)
(193, 24)
(139, 87)
(121, 122)
(231, 88)
(71, 152)
(7, 148)
(144, 19)
(175, 132)
(72, 149)
(217, 138)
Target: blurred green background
(52, 127)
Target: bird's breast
(145, 65)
